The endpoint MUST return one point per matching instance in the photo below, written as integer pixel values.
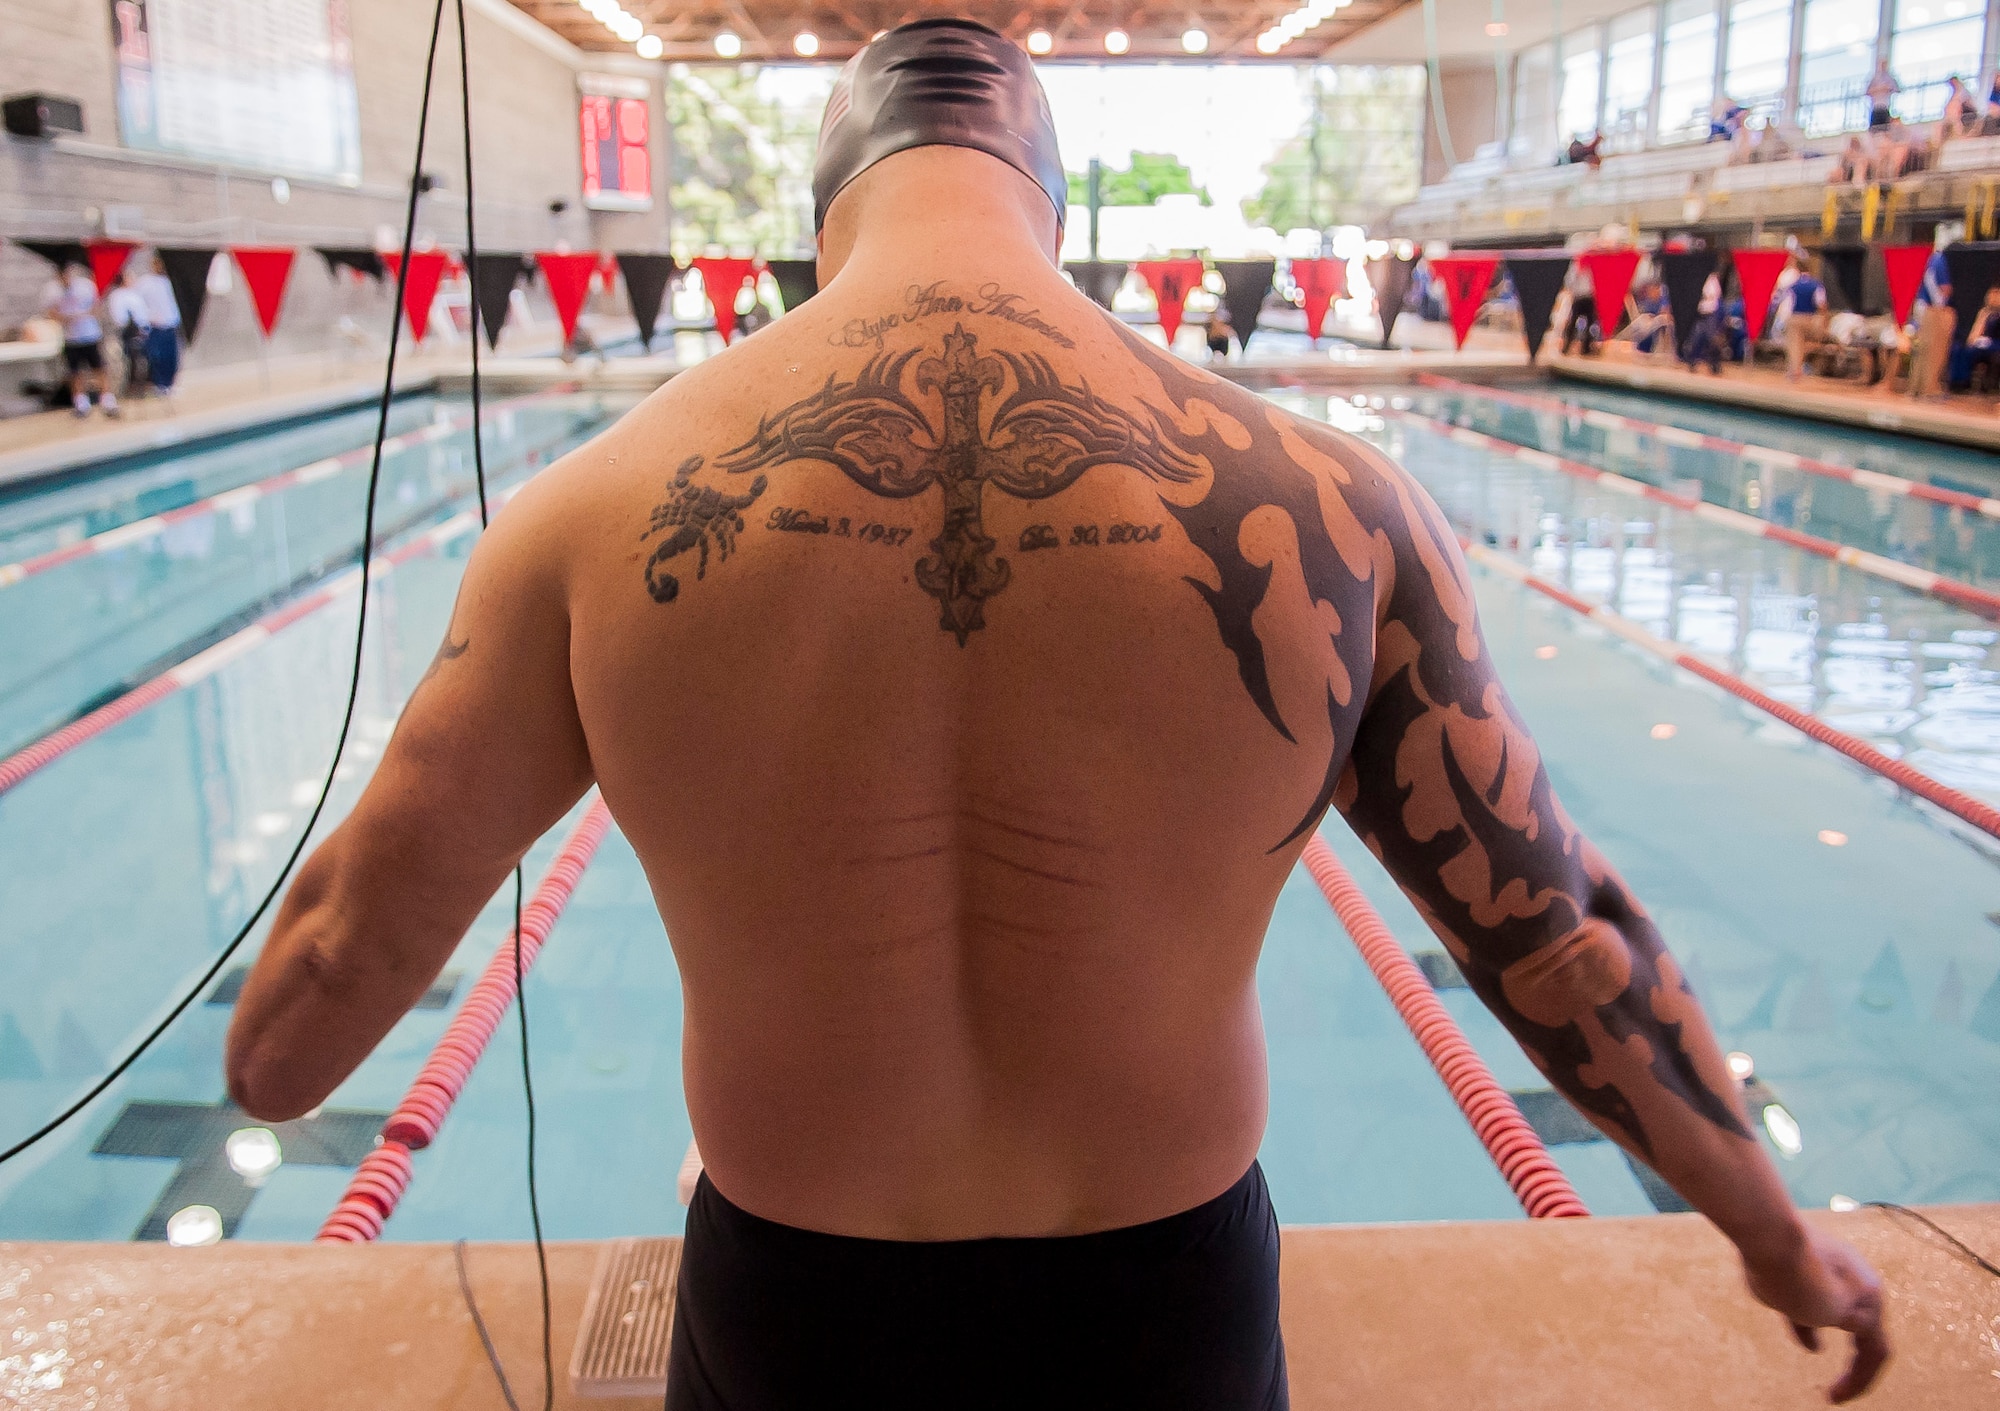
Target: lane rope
(1537, 1182)
(1980, 815)
(379, 1182)
(1922, 580)
(1695, 440)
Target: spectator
(1856, 160)
(1655, 320)
(1582, 318)
(1992, 123)
(72, 298)
(1583, 153)
(163, 326)
(1983, 342)
(1881, 88)
(1806, 326)
(1218, 331)
(1725, 118)
(1932, 322)
(126, 312)
(1961, 114)
(1704, 342)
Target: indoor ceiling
(771, 29)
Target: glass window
(1836, 56)
(1628, 80)
(1931, 41)
(1759, 55)
(1576, 109)
(1533, 133)
(1687, 70)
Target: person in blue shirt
(1805, 324)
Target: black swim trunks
(1180, 1314)
(84, 357)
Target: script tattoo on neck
(897, 430)
(922, 301)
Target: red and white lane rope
(1538, 1183)
(1921, 580)
(138, 531)
(53, 746)
(1695, 440)
(1980, 815)
(384, 1174)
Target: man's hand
(1825, 1283)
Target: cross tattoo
(1035, 442)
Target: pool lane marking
(33, 758)
(1922, 580)
(1980, 815)
(1524, 1161)
(125, 535)
(377, 1185)
(1680, 436)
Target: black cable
(485, 1338)
(1959, 1247)
(520, 987)
(354, 683)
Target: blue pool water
(1864, 979)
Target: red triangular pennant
(722, 280)
(1611, 274)
(1904, 265)
(1171, 282)
(427, 267)
(568, 278)
(1466, 278)
(1321, 281)
(265, 269)
(1757, 274)
(107, 261)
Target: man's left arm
(489, 754)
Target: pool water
(1864, 978)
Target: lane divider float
(1921, 580)
(1980, 815)
(139, 530)
(1681, 436)
(1537, 1182)
(378, 1183)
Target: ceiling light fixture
(650, 46)
(1117, 41)
(1306, 17)
(1040, 41)
(727, 45)
(1194, 41)
(1496, 29)
(805, 44)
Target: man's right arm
(1446, 786)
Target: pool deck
(1958, 419)
(1642, 1314)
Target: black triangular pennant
(1537, 279)
(493, 276)
(1098, 279)
(60, 253)
(187, 271)
(1394, 289)
(1842, 266)
(361, 261)
(646, 279)
(798, 280)
(1684, 272)
(1244, 285)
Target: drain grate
(628, 1320)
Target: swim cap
(938, 83)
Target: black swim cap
(938, 83)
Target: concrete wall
(1470, 112)
(524, 115)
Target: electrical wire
(1959, 1247)
(479, 1323)
(180, 1006)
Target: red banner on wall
(427, 267)
(568, 278)
(1466, 278)
(1320, 283)
(107, 261)
(1757, 274)
(722, 280)
(1904, 265)
(1611, 274)
(266, 268)
(1171, 282)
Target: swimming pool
(1861, 977)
